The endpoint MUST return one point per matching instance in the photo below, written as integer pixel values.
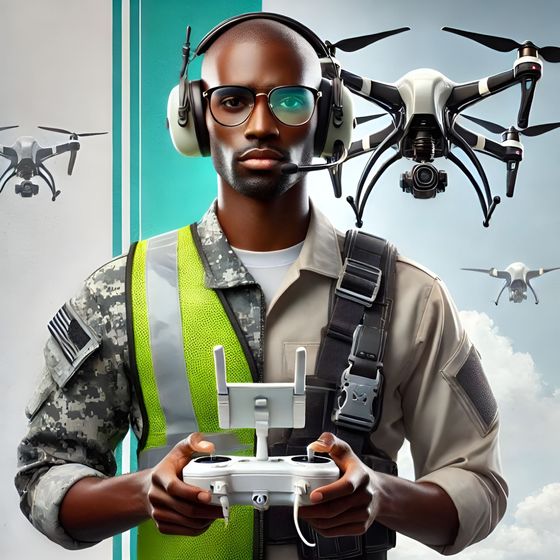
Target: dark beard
(260, 185)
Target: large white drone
(425, 106)
(517, 276)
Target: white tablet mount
(261, 481)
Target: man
(262, 227)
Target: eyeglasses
(233, 105)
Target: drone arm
(539, 272)
(9, 153)
(369, 143)
(387, 96)
(484, 145)
(510, 152)
(469, 93)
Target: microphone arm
(289, 168)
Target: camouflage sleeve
(81, 406)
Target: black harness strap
(355, 337)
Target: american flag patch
(72, 336)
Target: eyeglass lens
(291, 105)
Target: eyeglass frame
(208, 93)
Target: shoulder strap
(354, 341)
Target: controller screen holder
(261, 405)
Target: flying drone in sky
(27, 157)
(517, 278)
(425, 106)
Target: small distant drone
(425, 105)
(26, 158)
(517, 277)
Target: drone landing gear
(45, 174)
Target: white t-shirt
(268, 268)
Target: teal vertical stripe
(117, 177)
(135, 217)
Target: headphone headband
(312, 38)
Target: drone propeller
(72, 134)
(356, 43)
(535, 130)
(361, 120)
(8, 127)
(502, 44)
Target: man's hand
(178, 508)
(349, 505)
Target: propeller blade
(483, 270)
(539, 129)
(64, 131)
(550, 54)
(72, 161)
(492, 127)
(360, 120)
(8, 127)
(90, 133)
(550, 269)
(52, 129)
(356, 43)
(501, 44)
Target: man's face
(248, 157)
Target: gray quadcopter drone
(26, 157)
(517, 277)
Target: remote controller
(261, 481)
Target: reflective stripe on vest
(176, 324)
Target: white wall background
(56, 71)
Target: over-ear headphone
(186, 105)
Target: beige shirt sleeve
(449, 414)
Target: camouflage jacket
(80, 411)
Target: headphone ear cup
(337, 129)
(190, 140)
(324, 116)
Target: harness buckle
(358, 403)
(359, 282)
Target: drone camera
(27, 189)
(424, 181)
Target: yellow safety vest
(176, 322)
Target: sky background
(60, 75)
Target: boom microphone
(289, 168)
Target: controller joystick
(261, 481)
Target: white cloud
(529, 410)
(542, 510)
(530, 443)
(535, 535)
